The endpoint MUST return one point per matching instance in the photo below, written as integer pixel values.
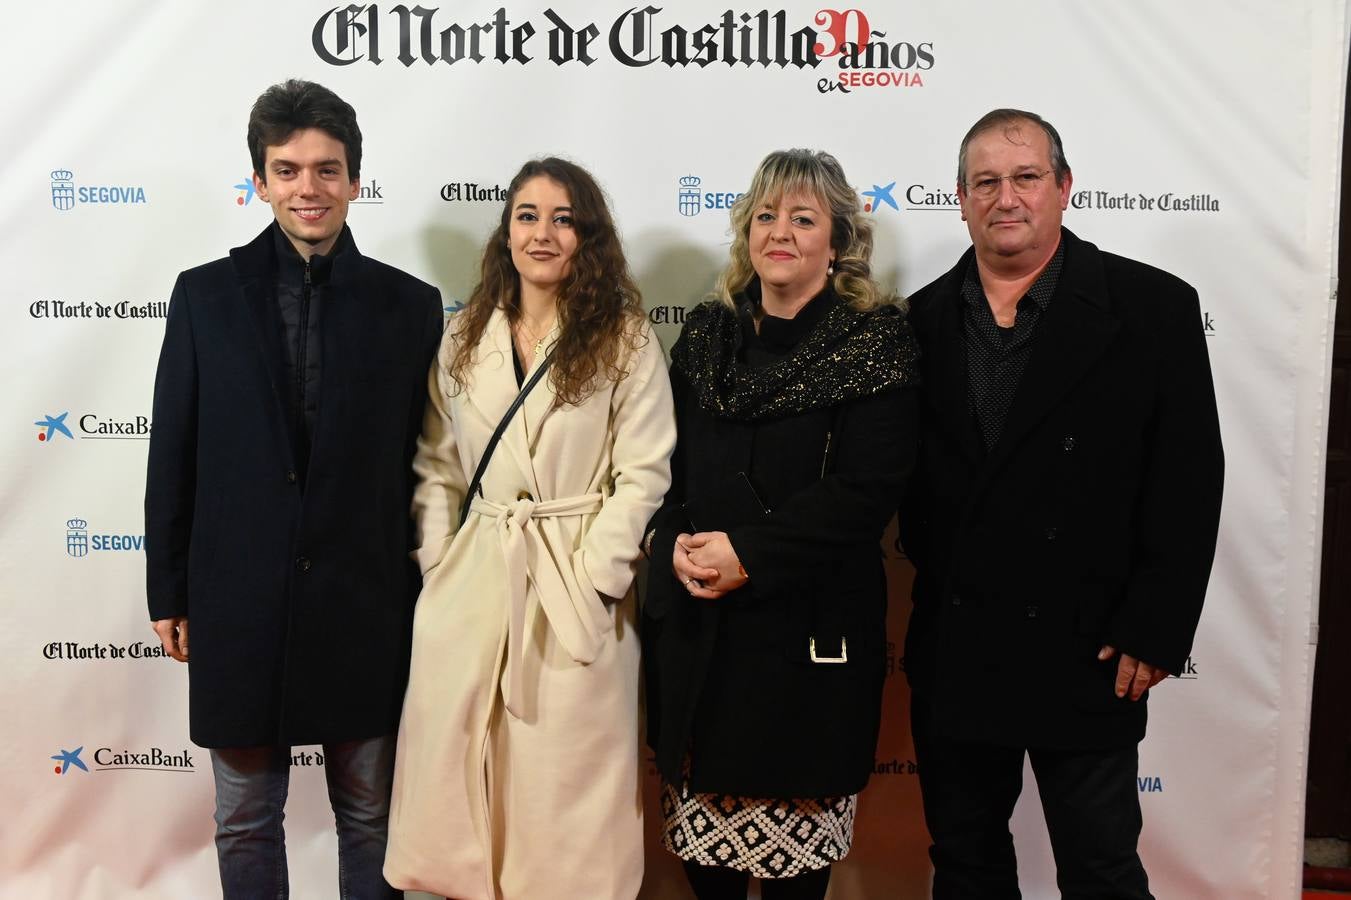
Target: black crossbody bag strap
(497, 435)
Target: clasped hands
(706, 564)
(708, 567)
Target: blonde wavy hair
(816, 174)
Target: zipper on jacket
(303, 339)
(825, 455)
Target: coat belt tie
(577, 620)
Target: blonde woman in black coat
(764, 632)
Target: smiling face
(305, 181)
(1009, 227)
(789, 244)
(541, 236)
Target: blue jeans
(251, 786)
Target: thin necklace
(530, 334)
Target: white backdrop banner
(1204, 139)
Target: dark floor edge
(1327, 879)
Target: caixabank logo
(109, 759)
(922, 197)
(244, 192)
(66, 759)
(66, 194)
(879, 197)
(80, 542)
(91, 427)
(49, 426)
(1189, 672)
(846, 40)
(371, 193)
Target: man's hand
(173, 636)
(1133, 675)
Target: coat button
(1051, 533)
(303, 563)
(290, 476)
(1068, 443)
(956, 601)
(1031, 610)
(524, 495)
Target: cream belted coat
(517, 772)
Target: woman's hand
(711, 551)
(693, 576)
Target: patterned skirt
(769, 838)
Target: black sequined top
(843, 355)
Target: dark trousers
(1090, 799)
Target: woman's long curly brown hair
(600, 310)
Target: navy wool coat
(299, 598)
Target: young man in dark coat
(1062, 522)
(288, 400)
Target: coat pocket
(205, 540)
(594, 613)
(1094, 607)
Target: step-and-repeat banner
(1204, 139)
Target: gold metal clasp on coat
(833, 660)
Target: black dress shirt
(996, 356)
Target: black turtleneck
(789, 452)
(777, 337)
(300, 290)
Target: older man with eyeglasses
(1062, 522)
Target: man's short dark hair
(295, 105)
(1008, 120)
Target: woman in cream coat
(517, 772)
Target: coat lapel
(254, 265)
(493, 388)
(345, 327)
(945, 369)
(1078, 328)
(540, 402)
